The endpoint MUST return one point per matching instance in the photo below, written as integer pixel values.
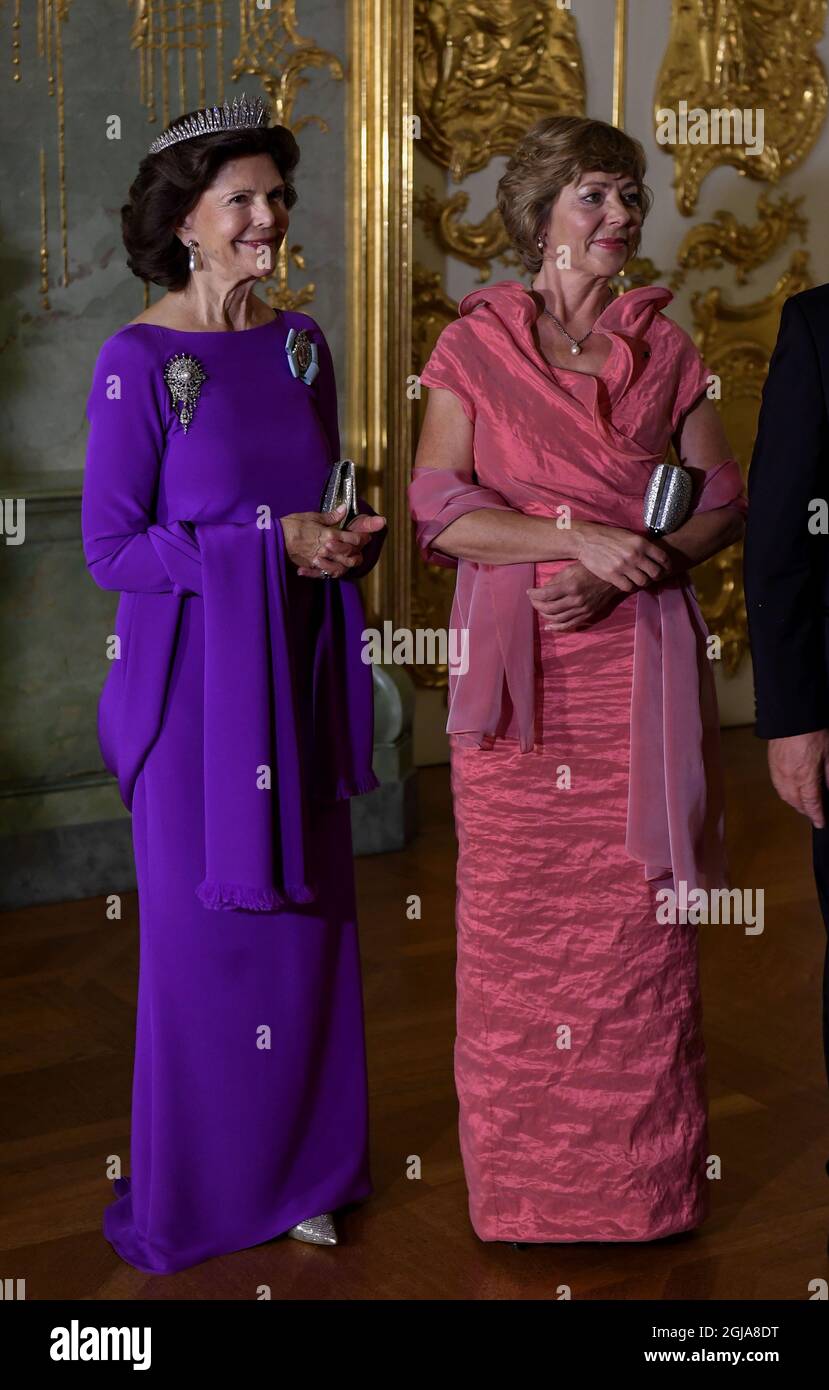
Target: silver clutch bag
(341, 487)
(667, 499)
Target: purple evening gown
(249, 1100)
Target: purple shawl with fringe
(258, 788)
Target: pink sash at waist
(675, 807)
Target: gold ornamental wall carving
(730, 58)
(743, 56)
(711, 244)
(486, 70)
(736, 342)
(477, 243)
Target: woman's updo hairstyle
(170, 182)
(554, 153)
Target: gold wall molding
(640, 270)
(709, 245)
(619, 63)
(724, 54)
(50, 18)
(379, 151)
(737, 342)
(163, 32)
(477, 243)
(486, 70)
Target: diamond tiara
(241, 115)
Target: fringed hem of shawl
(347, 787)
(229, 896)
(355, 786)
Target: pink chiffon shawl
(594, 454)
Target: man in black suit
(786, 573)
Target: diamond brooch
(184, 376)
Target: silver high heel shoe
(317, 1230)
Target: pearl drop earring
(193, 245)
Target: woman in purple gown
(236, 715)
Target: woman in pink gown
(584, 734)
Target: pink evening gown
(579, 1058)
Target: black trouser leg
(820, 862)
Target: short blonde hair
(554, 153)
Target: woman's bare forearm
(701, 537)
(493, 537)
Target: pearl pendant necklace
(575, 343)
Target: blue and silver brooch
(184, 376)
(303, 357)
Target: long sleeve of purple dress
(125, 549)
(170, 513)
(237, 716)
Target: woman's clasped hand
(612, 562)
(319, 548)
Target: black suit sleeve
(784, 563)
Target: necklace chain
(577, 342)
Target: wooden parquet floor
(68, 998)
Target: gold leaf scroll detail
(710, 244)
(725, 55)
(486, 70)
(477, 243)
(638, 271)
(164, 33)
(736, 343)
(272, 49)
